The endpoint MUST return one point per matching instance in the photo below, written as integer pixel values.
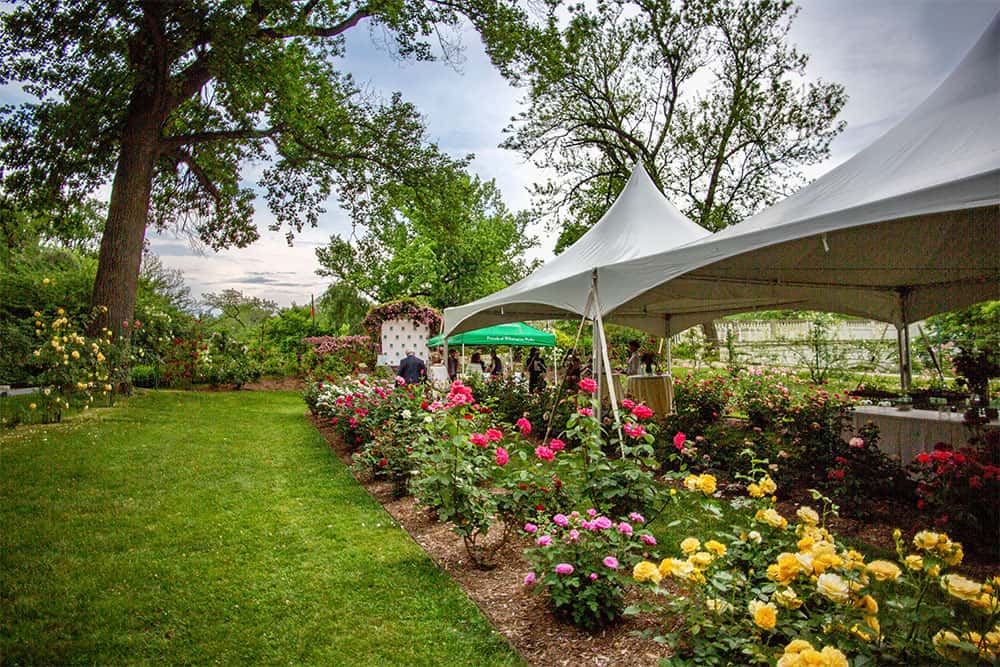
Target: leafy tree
(167, 100)
(342, 309)
(239, 311)
(448, 245)
(703, 93)
(974, 335)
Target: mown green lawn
(196, 527)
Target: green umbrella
(514, 333)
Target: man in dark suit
(412, 368)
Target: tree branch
(221, 135)
(203, 179)
(286, 31)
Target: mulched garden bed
(538, 636)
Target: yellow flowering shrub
(802, 588)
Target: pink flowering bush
(584, 561)
(699, 400)
(337, 356)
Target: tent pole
(595, 347)
(903, 343)
(447, 377)
(463, 359)
(670, 361)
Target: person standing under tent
(536, 370)
(634, 366)
(452, 364)
(496, 365)
(412, 369)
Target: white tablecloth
(905, 433)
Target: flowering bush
(772, 589)
(401, 309)
(337, 356)
(74, 368)
(698, 402)
(960, 490)
(861, 472)
(583, 561)
(764, 396)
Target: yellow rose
(767, 485)
(37, 314)
(868, 604)
(797, 646)
(754, 536)
(691, 482)
(787, 598)
(960, 587)
(718, 606)
(833, 657)
(772, 518)
(883, 570)
(953, 555)
(934, 570)
(914, 562)
(700, 560)
(807, 515)
(986, 602)
(925, 540)
(646, 571)
(32, 406)
(706, 484)
(765, 615)
(675, 567)
(833, 587)
(788, 567)
(946, 644)
(754, 490)
(690, 545)
(717, 548)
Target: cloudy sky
(889, 54)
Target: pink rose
(479, 439)
(603, 523)
(593, 576)
(648, 539)
(557, 445)
(642, 412)
(564, 568)
(856, 442)
(610, 562)
(591, 512)
(624, 528)
(635, 516)
(628, 404)
(501, 456)
(634, 430)
(524, 426)
(586, 412)
(544, 540)
(588, 384)
(560, 520)
(679, 440)
(494, 434)
(529, 578)
(574, 535)
(544, 453)
(530, 528)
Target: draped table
(656, 391)
(906, 433)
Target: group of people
(413, 369)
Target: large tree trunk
(121, 245)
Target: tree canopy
(707, 94)
(168, 101)
(447, 245)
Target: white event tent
(640, 222)
(907, 228)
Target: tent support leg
(670, 361)
(903, 343)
